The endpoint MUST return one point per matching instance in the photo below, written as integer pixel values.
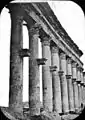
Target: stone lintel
(53, 68)
(24, 53)
(41, 61)
(61, 73)
(68, 76)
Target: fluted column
(34, 82)
(70, 85)
(64, 90)
(46, 74)
(56, 80)
(16, 61)
(75, 86)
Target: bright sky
(70, 16)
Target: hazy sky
(70, 16)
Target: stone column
(84, 89)
(81, 87)
(70, 85)
(64, 90)
(34, 82)
(46, 74)
(75, 86)
(56, 80)
(16, 61)
(78, 80)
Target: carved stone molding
(74, 64)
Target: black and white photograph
(42, 60)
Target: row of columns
(62, 83)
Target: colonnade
(62, 77)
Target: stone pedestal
(56, 80)
(64, 89)
(16, 61)
(34, 82)
(46, 74)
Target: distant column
(70, 85)
(56, 80)
(64, 90)
(84, 89)
(16, 62)
(79, 86)
(46, 74)
(34, 82)
(75, 86)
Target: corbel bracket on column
(74, 80)
(61, 73)
(24, 53)
(53, 68)
(78, 81)
(82, 84)
(41, 61)
(68, 76)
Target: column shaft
(64, 90)
(46, 75)
(34, 82)
(56, 80)
(75, 85)
(16, 62)
(70, 85)
(75, 91)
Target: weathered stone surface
(16, 62)
(64, 89)
(46, 74)
(56, 80)
(34, 82)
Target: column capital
(74, 64)
(46, 41)
(54, 48)
(78, 68)
(62, 55)
(69, 60)
(34, 29)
